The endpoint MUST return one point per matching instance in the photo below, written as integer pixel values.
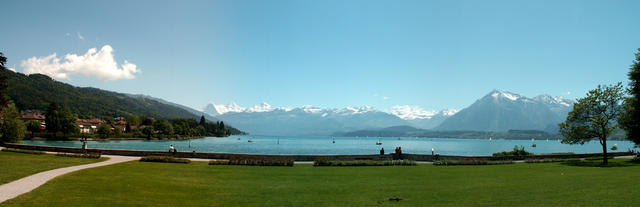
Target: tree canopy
(594, 117)
(630, 121)
(11, 127)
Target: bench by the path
(27, 184)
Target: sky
(431, 54)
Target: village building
(33, 115)
(89, 125)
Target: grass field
(199, 184)
(14, 165)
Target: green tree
(148, 131)
(34, 126)
(630, 120)
(594, 117)
(117, 131)
(104, 130)
(164, 127)
(68, 122)
(4, 98)
(52, 118)
(203, 121)
(133, 120)
(11, 127)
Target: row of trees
(180, 127)
(605, 109)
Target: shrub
(258, 161)
(515, 154)
(636, 159)
(219, 162)
(83, 155)
(23, 151)
(327, 162)
(471, 162)
(545, 160)
(597, 158)
(167, 159)
(559, 153)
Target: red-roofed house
(89, 125)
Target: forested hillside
(36, 91)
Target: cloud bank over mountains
(95, 63)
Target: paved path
(27, 184)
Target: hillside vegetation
(36, 91)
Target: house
(31, 115)
(89, 125)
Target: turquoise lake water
(343, 145)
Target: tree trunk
(604, 150)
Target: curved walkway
(27, 184)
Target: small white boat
(614, 147)
(250, 140)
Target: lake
(342, 145)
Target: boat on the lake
(614, 147)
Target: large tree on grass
(594, 117)
(11, 127)
(630, 120)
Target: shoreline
(116, 139)
(213, 155)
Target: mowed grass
(199, 184)
(14, 166)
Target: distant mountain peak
(559, 100)
(498, 94)
(407, 112)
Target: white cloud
(568, 92)
(94, 63)
(385, 98)
(80, 36)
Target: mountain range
(497, 111)
(503, 111)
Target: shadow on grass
(598, 163)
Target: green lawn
(199, 184)
(14, 165)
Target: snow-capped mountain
(503, 111)
(219, 109)
(263, 119)
(421, 118)
(309, 120)
(407, 112)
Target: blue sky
(432, 54)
